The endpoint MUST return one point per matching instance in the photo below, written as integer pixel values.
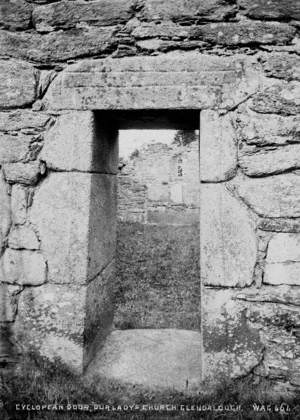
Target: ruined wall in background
(157, 185)
(258, 182)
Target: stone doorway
(155, 332)
(70, 313)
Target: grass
(36, 380)
(157, 282)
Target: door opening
(155, 338)
(157, 256)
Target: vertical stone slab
(74, 216)
(102, 223)
(80, 142)
(99, 312)
(228, 242)
(218, 153)
(228, 252)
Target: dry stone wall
(238, 62)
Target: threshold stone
(165, 359)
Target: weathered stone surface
(218, 155)
(23, 237)
(8, 299)
(25, 120)
(281, 98)
(283, 260)
(23, 267)
(65, 14)
(19, 200)
(51, 318)
(269, 161)
(14, 148)
(232, 347)
(274, 322)
(46, 77)
(15, 14)
(232, 34)
(173, 81)
(18, 82)
(79, 141)
(150, 45)
(274, 196)
(56, 46)
(67, 321)
(163, 30)
(265, 130)
(244, 33)
(280, 346)
(5, 215)
(99, 313)
(23, 173)
(54, 346)
(74, 214)
(131, 356)
(273, 9)
(282, 273)
(280, 225)
(282, 66)
(284, 247)
(193, 10)
(284, 294)
(228, 242)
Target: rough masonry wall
(257, 139)
(250, 241)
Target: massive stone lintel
(174, 81)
